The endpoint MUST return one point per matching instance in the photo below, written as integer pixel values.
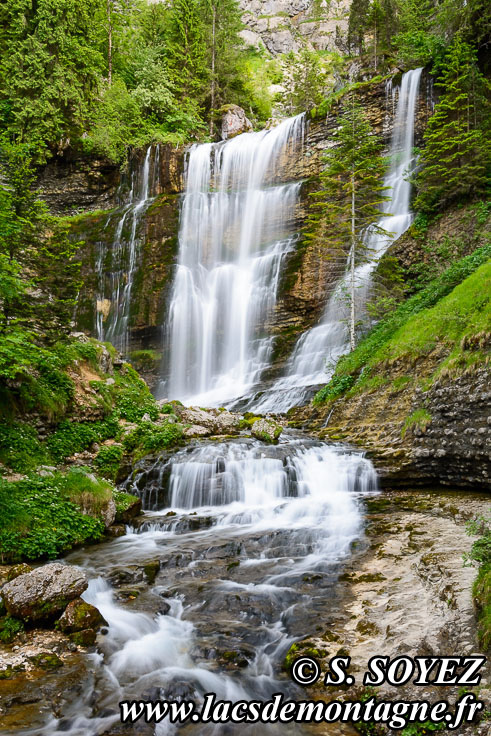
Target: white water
(288, 514)
(318, 349)
(237, 224)
(116, 282)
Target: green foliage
(149, 438)
(9, 628)
(433, 313)
(337, 386)
(72, 437)
(480, 552)
(306, 80)
(108, 460)
(133, 398)
(457, 153)
(421, 728)
(419, 418)
(123, 501)
(50, 66)
(351, 195)
(86, 490)
(39, 521)
(20, 448)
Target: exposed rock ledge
(451, 448)
(408, 593)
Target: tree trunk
(109, 44)
(213, 54)
(352, 267)
(375, 48)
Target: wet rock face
(44, 592)
(234, 122)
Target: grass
(419, 418)
(452, 312)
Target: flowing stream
(248, 540)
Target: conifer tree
(358, 24)
(351, 195)
(456, 156)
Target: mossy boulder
(127, 507)
(266, 430)
(78, 616)
(85, 638)
(47, 661)
(43, 593)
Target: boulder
(266, 430)
(197, 431)
(227, 423)
(197, 417)
(79, 616)
(234, 122)
(44, 592)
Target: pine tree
(358, 24)
(50, 66)
(351, 195)
(186, 50)
(457, 155)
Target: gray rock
(227, 423)
(266, 430)
(78, 616)
(195, 430)
(234, 122)
(44, 592)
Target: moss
(482, 601)
(85, 638)
(304, 649)
(151, 570)
(233, 564)
(375, 577)
(47, 661)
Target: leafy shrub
(9, 628)
(72, 437)
(108, 460)
(148, 438)
(39, 521)
(133, 397)
(20, 448)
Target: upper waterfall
(237, 223)
(316, 352)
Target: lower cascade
(247, 540)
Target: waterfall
(316, 352)
(237, 224)
(115, 283)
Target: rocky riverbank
(404, 590)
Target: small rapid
(247, 541)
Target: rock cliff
(288, 25)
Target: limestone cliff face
(289, 25)
(453, 446)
